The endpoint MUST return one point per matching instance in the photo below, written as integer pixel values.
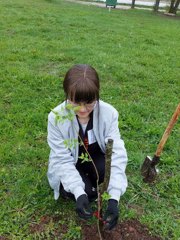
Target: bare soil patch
(3, 238)
(127, 230)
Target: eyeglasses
(88, 106)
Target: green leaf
(77, 108)
(84, 157)
(105, 196)
(69, 106)
(70, 143)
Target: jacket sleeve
(61, 167)
(118, 180)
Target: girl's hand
(82, 207)
(111, 215)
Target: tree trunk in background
(174, 6)
(156, 5)
(133, 4)
(171, 6)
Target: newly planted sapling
(67, 114)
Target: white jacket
(62, 160)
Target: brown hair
(81, 84)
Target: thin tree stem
(98, 190)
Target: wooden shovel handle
(168, 131)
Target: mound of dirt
(127, 230)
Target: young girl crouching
(94, 122)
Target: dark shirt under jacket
(94, 150)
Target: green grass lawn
(137, 56)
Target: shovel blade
(148, 171)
